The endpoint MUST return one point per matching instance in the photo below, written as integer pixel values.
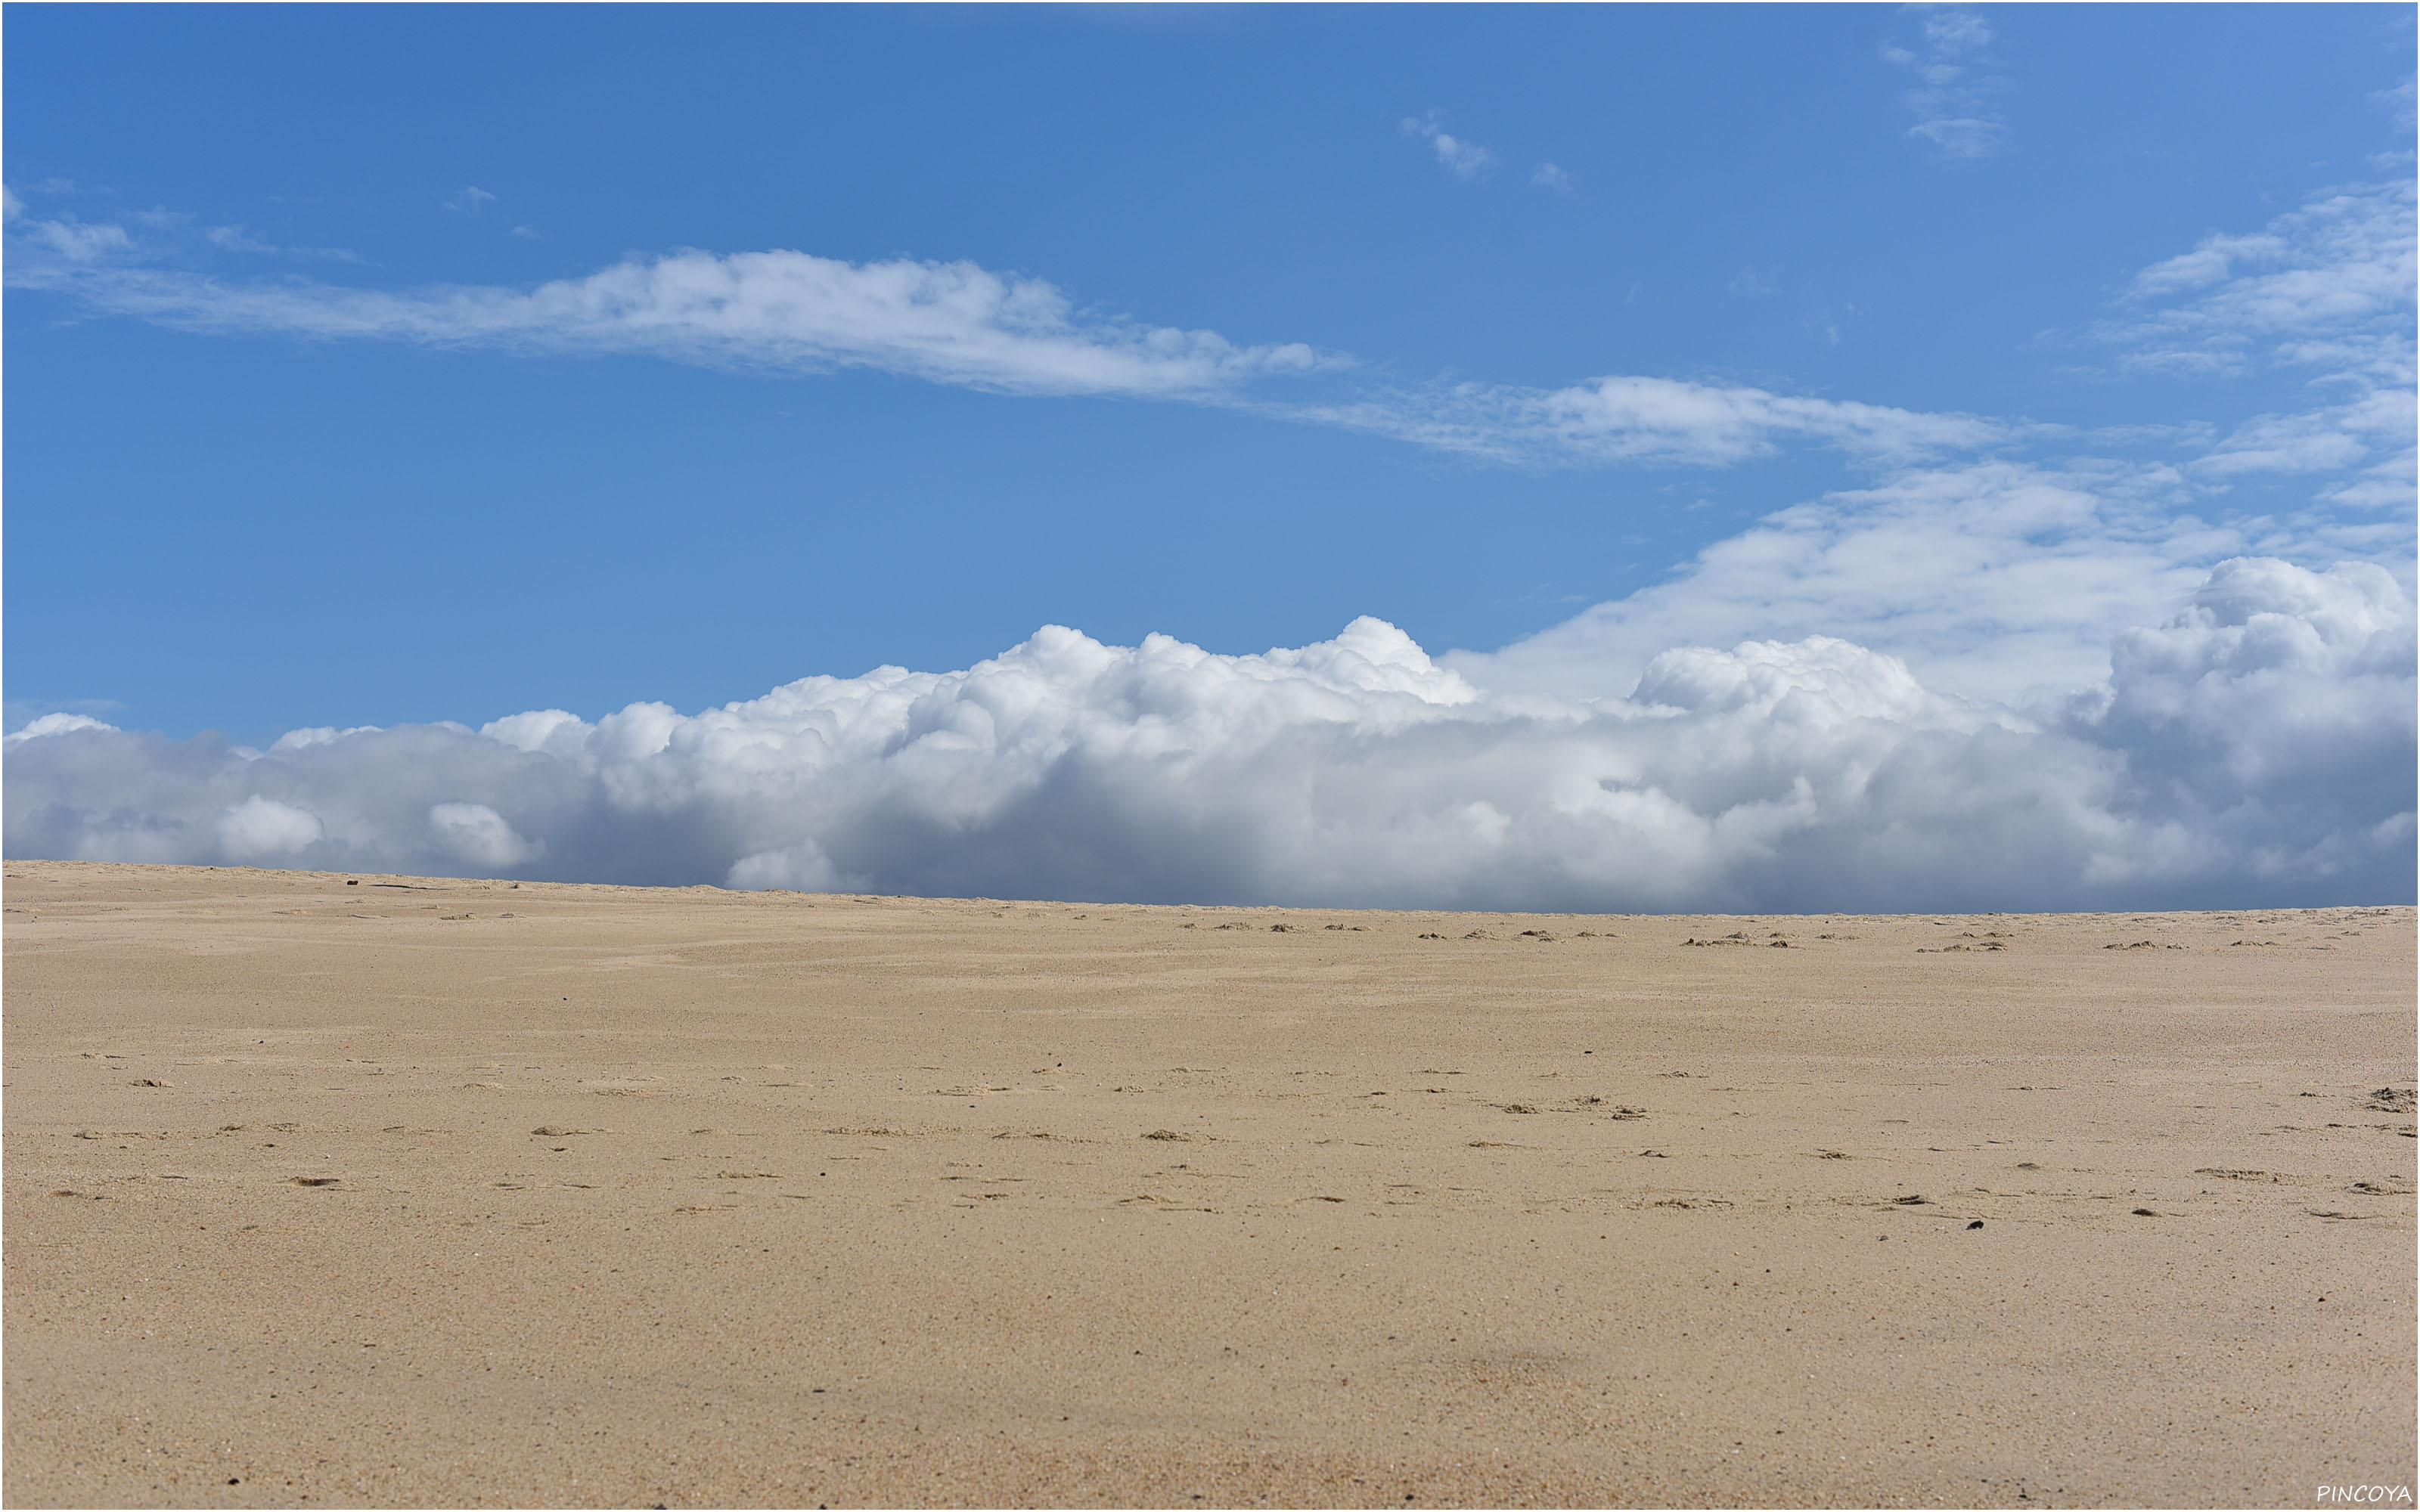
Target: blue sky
(388, 365)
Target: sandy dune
(411, 1192)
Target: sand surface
(456, 1193)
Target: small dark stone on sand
(1976, 1224)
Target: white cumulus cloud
(261, 828)
(800, 867)
(2257, 744)
(477, 836)
(54, 724)
(1462, 159)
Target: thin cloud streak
(958, 323)
(1651, 420)
(1956, 108)
(782, 311)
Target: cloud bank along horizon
(2023, 666)
(2258, 747)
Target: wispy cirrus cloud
(60, 237)
(2327, 285)
(2010, 577)
(2325, 289)
(1626, 419)
(785, 310)
(2007, 577)
(2000, 580)
(1465, 160)
(2324, 286)
(1955, 107)
(959, 323)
